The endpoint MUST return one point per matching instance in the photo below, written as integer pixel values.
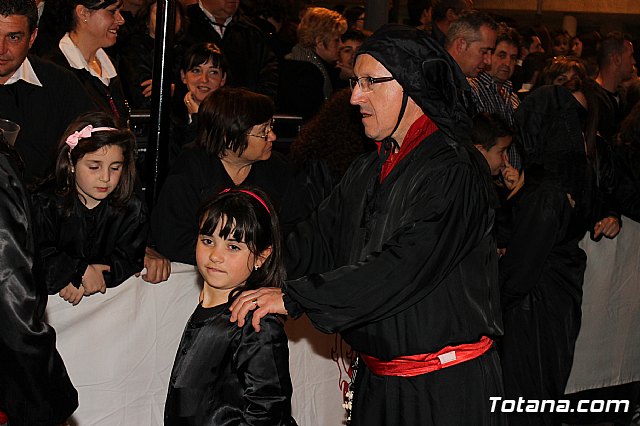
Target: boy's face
(497, 155)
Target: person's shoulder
(49, 70)
(271, 328)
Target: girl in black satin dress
(91, 230)
(223, 374)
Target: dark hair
(26, 8)
(65, 11)
(352, 14)
(468, 27)
(201, 53)
(226, 115)
(353, 35)
(528, 35)
(334, 135)
(68, 158)
(560, 65)
(440, 8)
(244, 218)
(487, 128)
(509, 35)
(612, 44)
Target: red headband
(260, 200)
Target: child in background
(492, 136)
(91, 230)
(224, 374)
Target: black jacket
(43, 113)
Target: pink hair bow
(84, 133)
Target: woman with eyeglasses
(233, 146)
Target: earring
(73, 169)
(256, 267)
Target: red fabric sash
(415, 365)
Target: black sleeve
(60, 268)
(536, 229)
(34, 386)
(127, 257)
(262, 365)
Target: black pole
(157, 148)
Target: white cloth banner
(608, 346)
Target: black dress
(35, 389)
(103, 235)
(404, 267)
(225, 375)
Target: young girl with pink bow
(91, 230)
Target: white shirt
(76, 60)
(219, 28)
(24, 72)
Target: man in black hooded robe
(400, 258)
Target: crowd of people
(430, 209)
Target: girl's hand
(191, 103)
(93, 280)
(510, 175)
(71, 294)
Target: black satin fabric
(407, 269)
(34, 386)
(224, 375)
(103, 235)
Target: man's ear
(319, 42)
(34, 34)
(460, 45)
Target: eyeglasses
(365, 83)
(267, 132)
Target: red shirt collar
(419, 130)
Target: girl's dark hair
(227, 115)
(68, 158)
(245, 218)
(200, 54)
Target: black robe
(195, 177)
(227, 375)
(34, 386)
(43, 113)
(405, 267)
(103, 235)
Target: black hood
(427, 73)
